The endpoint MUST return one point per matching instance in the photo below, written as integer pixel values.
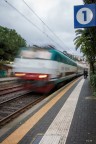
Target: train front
(32, 66)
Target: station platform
(66, 117)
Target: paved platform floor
(83, 126)
(69, 117)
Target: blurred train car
(45, 67)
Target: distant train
(45, 67)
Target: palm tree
(85, 41)
(89, 1)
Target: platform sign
(85, 15)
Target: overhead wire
(31, 22)
(43, 22)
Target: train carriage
(45, 67)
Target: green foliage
(10, 42)
(89, 1)
(94, 94)
(86, 41)
(93, 82)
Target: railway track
(8, 90)
(15, 103)
(11, 108)
(9, 86)
(7, 82)
(15, 99)
(10, 96)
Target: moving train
(45, 67)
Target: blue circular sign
(84, 15)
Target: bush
(93, 83)
(94, 93)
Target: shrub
(93, 83)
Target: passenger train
(45, 67)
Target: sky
(42, 22)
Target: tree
(10, 42)
(89, 1)
(86, 41)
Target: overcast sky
(56, 15)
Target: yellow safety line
(20, 132)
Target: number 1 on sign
(85, 15)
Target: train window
(26, 54)
(65, 60)
(35, 54)
(43, 55)
(61, 59)
(56, 57)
